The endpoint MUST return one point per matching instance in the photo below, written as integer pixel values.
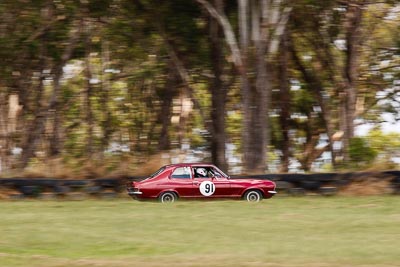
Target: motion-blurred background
(91, 88)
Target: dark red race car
(196, 180)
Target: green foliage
(361, 153)
(131, 64)
(387, 145)
(303, 101)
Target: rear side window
(181, 173)
(158, 172)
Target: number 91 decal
(207, 188)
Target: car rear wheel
(253, 196)
(168, 197)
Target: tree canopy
(253, 86)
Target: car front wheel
(168, 197)
(253, 196)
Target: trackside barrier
(328, 184)
(43, 188)
(325, 184)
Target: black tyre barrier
(51, 183)
(325, 184)
(396, 185)
(322, 177)
(17, 182)
(58, 188)
(61, 190)
(283, 186)
(328, 191)
(110, 183)
(310, 185)
(76, 183)
(93, 190)
(396, 179)
(30, 190)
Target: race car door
(181, 181)
(209, 183)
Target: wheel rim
(253, 196)
(168, 198)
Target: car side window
(181, 173)
(204, 172)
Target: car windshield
(221, 173)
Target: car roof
(188, 165)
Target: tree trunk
(317, 90)
(55, 140)
(164, 117)
(245, 84)
(4, 129)
(164, 142)
(259, 106)
(353, 43)
(285, 104)
(87, 97)
(268, 20)
(218, 94)
(54, 105)
(42, 114)
(106, 122)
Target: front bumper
(270, 193)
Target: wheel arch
(169, 190)
(253, 189)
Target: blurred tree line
(284, 81)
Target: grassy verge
(311, 231)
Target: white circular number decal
(207, 188)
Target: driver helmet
(201, 171)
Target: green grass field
(285, 231)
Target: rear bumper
(272, 192)
(134, 192)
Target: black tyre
(30, 190)
(168, 197)
(253, 196)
